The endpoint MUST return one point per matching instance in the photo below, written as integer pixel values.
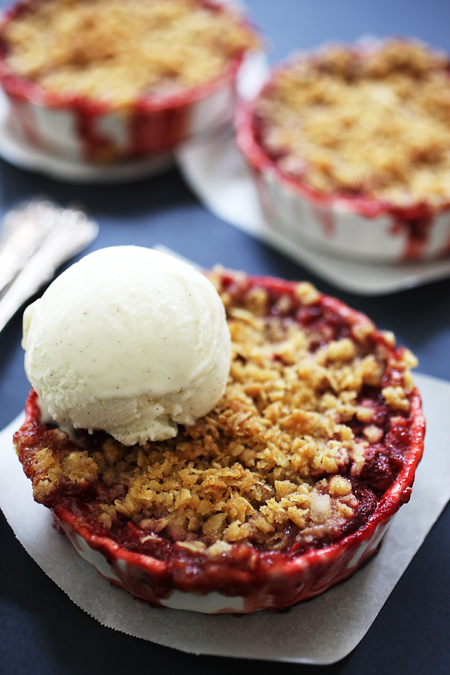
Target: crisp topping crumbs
(395, 398)
(312, 394)
(365, 120)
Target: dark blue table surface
(41, 631)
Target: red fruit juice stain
(158, 130)
(417, 232)
(96, 146)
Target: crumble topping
(370, 120)
(120, 50)
(314, 396)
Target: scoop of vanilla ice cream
(128, 340)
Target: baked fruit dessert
(117, 79)
(283, 489)
(349, 148)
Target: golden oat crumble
(276, 455)
(119, 50)
(367, 121)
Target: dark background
(41, 631)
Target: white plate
(20, 153)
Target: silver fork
(37, 238)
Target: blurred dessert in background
(355, 140)
(120, 78)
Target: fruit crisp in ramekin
(283, 490)
(349, 149)
(115, 79)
